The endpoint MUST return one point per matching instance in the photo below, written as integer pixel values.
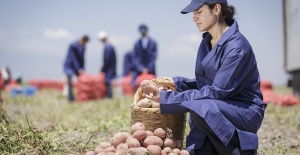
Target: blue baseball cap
(195, 4)
(143, 28)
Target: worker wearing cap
(74, 63)
(144, 53)
(109, 62)
(224, 99)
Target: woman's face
(205, 18)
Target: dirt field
(76, 128)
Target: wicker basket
(152, 119)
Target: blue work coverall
(109, 66)
(75, 59)
(73, 63)
(127, 64)
(225, 93)
(144, 58)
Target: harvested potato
(149, 133)
(110, 149)
(172, 153)
(137, 151)
(105, 144)
(154, 149)
(167, 150)
(117, 139)
(155, 104)
(99, 149)
(152, 140)
(126, 134)
(144, 103)
(159, 132)
(149, 86)
(176, 150)
(139, 135)
(122, 148)
(184, 152)
(106, 153)
(170, 142)
(90, 153)
(133, 142)
(137, 126)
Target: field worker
(144, 53)
(224, 99)
(74, 63)
(109, 62)
(127, 64)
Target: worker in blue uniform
(144, 54)
(109, 62)
(74, 62)
(224, 99)
(127, 64)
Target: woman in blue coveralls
(224, 99)
(109, 62)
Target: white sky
(35, 35)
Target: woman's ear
(217, 9)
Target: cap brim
(191, 7)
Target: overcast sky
(35, 35)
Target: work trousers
(213, 145)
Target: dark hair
(227, 12)
(85, 38)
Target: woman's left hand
(150, 90)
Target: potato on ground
(118, 139)
(126, 134)
(105, 145)
(159, 132)
(184, 152)
(137, 151)
(99, 149)
(106, 153)
(139, 135)
(137, 126)
(176, 150)
(167, 150)
(133, 142)
(154, 149)
(152, 140)
(170, 142)
(122, 148)
(90, 153)
(149, 133)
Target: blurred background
(35, 35)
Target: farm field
(47, 124)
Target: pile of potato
(140, 142)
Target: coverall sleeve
(183, 83)
(107, 58)
(75, 57)
(135, 59)
(235, 67)
(153, 55)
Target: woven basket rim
(137, 96)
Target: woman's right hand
(168, 83)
